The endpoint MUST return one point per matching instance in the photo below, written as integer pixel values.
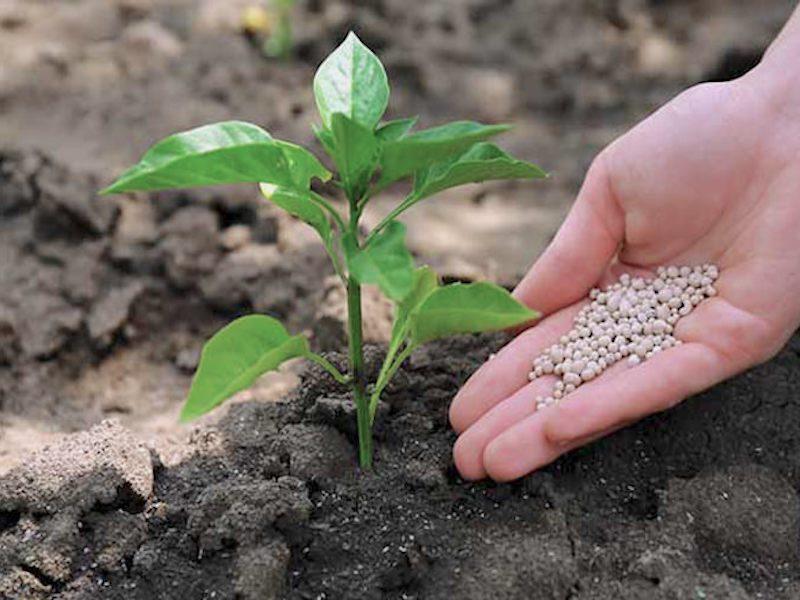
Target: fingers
(717, 338)
(604, 405)
(582, 249)
(721, 338)
(468, 449)
(508, 371)
(656, 385)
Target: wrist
(787, 44)
(775, 82)
(777, 76)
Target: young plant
(352, 93)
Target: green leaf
(481, 162)
(303, 166)
(325, 138)
(300, 205)
(394, 130)
(352, 81)
(425, 281)
(470, 308)
(229, 152)
(235, 357)
(355, 152)
(385, 261)
(424, 148)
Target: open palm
(714, 176)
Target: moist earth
(699, 502)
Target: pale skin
(713, 176)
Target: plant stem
(400, 208)
(391, 352)
(323, 203)
(337, 264)
(385, 378)
(357, 373)
(326, 364)
(356, 346)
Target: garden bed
(698, 502)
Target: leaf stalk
(407, 203)
(328, 366)
(389, 370)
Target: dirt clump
(261, 571)
(103, 474)
(317, 452)
(234, 512)
(104, 465)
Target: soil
(105, 303)
(699, 502)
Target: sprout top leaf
(352, 81)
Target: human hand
(714, 176)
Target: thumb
(581, 250)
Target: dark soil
(699, 502)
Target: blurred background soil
(104, 302)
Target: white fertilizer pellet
(632, 320)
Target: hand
(714, 176)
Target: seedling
(352, 93)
